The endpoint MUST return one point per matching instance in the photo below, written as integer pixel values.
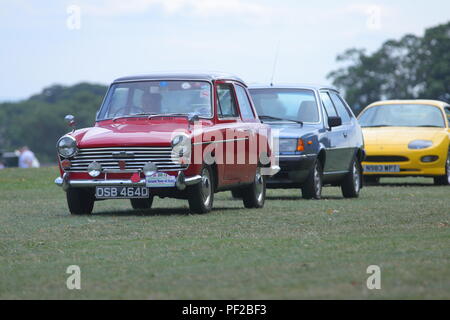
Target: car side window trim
(220, 114)
(447, 115)
(347, 119)
(323, 104)
(252, 108)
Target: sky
(65, 42)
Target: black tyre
(80, 201)
(371, 180)
(312, 188)
(351, 185)
(254, 195)
(444, 180)
(142, 204)
(201, 195)
(236, 193)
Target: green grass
(291, 249)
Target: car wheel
(142, 204)
(201, 195)
(371, 180)
(80, 201)
(254, 195)
(312, 188)
(444, 180)
(351, 185)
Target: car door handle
(345, 134)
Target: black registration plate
(121, 192)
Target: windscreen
(157, 97)
(286, 104)
(402, 115)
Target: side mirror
(70, 120)
(334, 121)
(192, 118)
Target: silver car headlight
(420, 144)
(288, 145)
(179, 139)
(67, 146)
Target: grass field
(291, 249)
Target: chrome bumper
(270, 171)
(181, 183)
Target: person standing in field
(27, 159)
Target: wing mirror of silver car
(334, 121)
(70, 120)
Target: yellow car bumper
(409, 162)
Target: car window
(226, 103)
(340, 107)
(244, 103)
(328, 104)
(287, 104)
(402, 115)
(447, 112)
(157, 97)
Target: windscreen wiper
(135, 115)
(278, 119)
(156, 115)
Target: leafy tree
(410, 68)
(39, 121)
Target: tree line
(38, 122)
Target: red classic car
(183, 136)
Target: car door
(349, 127)
(337, 149)
(229, 123)
(247, 130)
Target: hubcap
(206, 188)
(259, 185)
(317, 182)
(356, 176)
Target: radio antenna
(275, 62)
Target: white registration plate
(382, 168)
(121, 192)
(160, 180)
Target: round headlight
(420, 144)
(149, 168)
(94, 169)
(67, 146)
(177, 140)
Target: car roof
(436, 103)
(292, 86)
(203, 76)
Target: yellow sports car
(406, 138)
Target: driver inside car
(151, 103)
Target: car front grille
(386, 159)
(134, 158)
